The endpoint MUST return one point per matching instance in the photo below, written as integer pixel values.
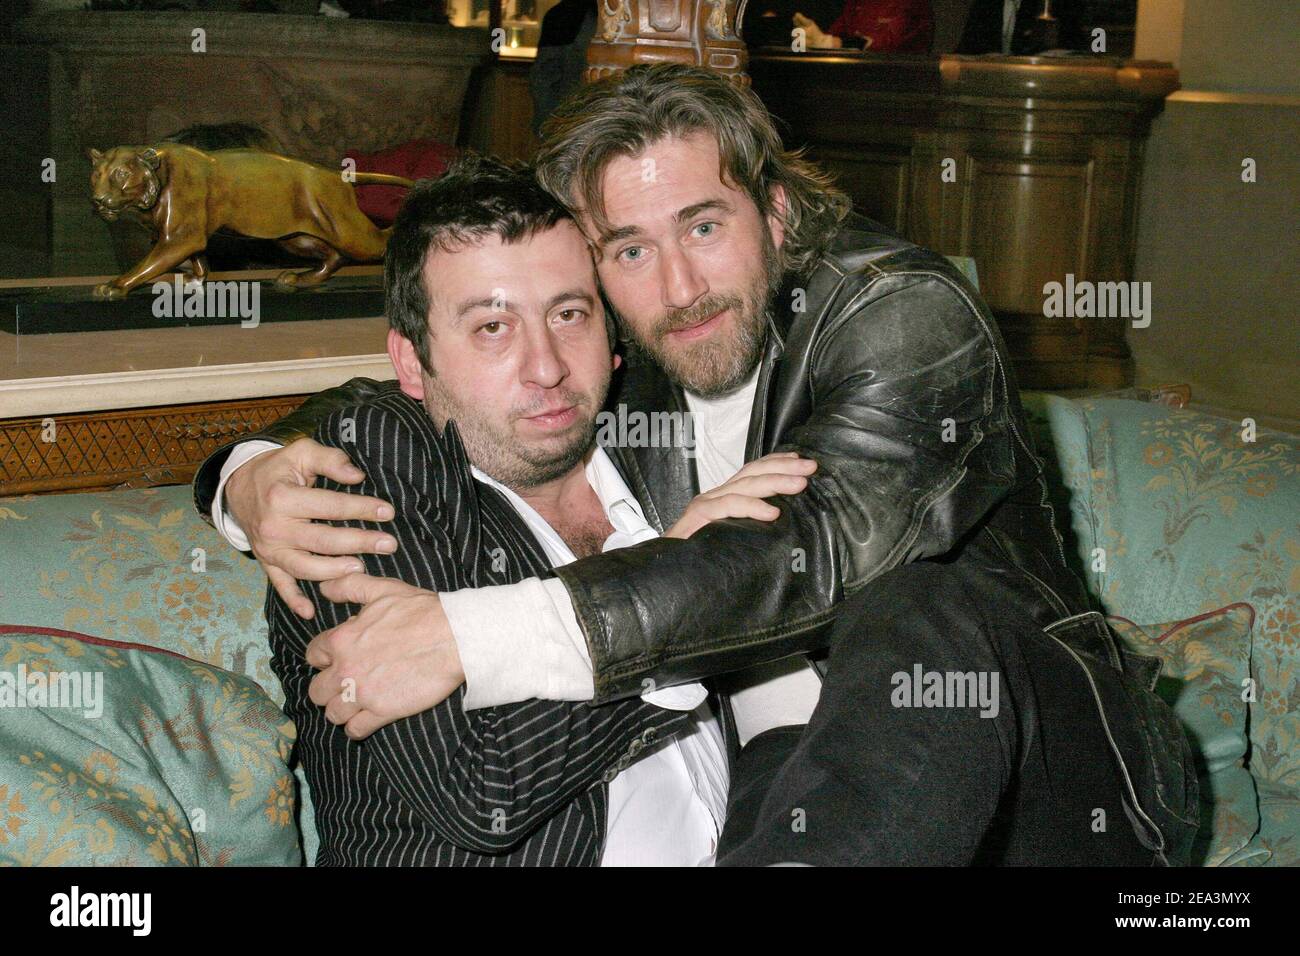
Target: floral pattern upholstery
(140, 566)
(1205, 679)
(1174, 514)
(169, 762)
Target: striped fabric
(514, 785)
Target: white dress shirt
(523, 641)
(667, 808)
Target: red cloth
(418, 159)
(895, 26)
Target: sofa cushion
(1279, 834)
(139, 565)
(1206, 680)
(116, 754)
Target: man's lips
(560, 417)
(700, 329)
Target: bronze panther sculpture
(184, 195)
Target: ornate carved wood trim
(136, 447)
(696, 32)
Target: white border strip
(72, 394)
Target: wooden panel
(136, 447)
(1025, 224)
(877, 182)
(500, 111)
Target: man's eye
(709, 226)
(627, 254)
(571, 315)
(491, 328)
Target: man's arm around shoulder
(910, 427)
(300, 423)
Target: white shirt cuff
(225, 524)
(522, 641)
(515, 644)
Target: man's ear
(401, 352)
(776, 218)
(618, 360)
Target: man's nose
(543, 365)
(682, 283)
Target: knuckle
(276, 493)
(317, 536)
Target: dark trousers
(870, 781)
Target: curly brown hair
(628, 111)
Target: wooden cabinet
(1028, 165)
(499, 110)
(96, 410)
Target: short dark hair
(476, 197)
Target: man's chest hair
(584, 534)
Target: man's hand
(272, 500)
(817, 38)
(397, 656)
(741, 496)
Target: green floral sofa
(1188, 536)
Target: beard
(493, 446)
(721, 363)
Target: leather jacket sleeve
(300, 423)
(908, 419)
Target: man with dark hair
(974, 708)
(485, 446)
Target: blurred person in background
(567, 28)
(881, 26)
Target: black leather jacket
(894, 378)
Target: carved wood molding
(133, 448)
(695, 32)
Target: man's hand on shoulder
(394, 659)
(272, 499)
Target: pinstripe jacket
(516, 785)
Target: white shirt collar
(622, 510)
